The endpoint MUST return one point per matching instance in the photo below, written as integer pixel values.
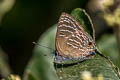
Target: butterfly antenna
(43, 46)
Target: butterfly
(72, 41)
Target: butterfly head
(92, 52)
(91, 46)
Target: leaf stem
(116, 69)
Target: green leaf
(30, 76)
(41, 64)
(83, 18)
(97, 65)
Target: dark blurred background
(28, 19)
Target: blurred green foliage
(108, 45)
(4, 67)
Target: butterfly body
(72, 41)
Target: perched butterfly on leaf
(72, 41)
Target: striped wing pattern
(72, 41)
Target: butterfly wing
(71, 39)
